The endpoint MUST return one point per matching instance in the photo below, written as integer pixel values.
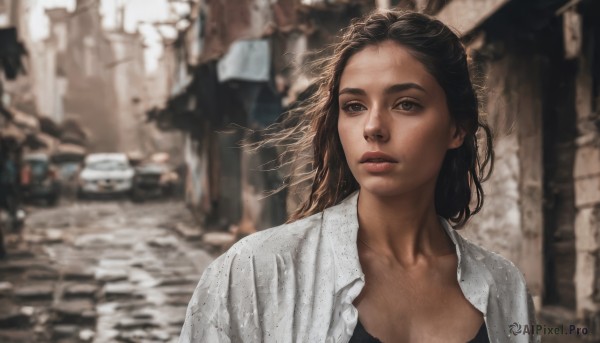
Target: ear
(458, 137)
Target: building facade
(97, 77)
(538, 62)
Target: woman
(371, 252)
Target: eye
(353, 107)
(407, 105)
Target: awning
(70, 149)
(24, 120)
(72, 132)
(48, 126)
(12, 132)
(230, 21)
(50, 142)
(38, 141)
(67, 152)
(246, 60)
(466, 15)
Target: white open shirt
(296, 283)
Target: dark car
(39, 179)
(152, 180)
(68, 159)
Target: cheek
(431, 139)
(425, 143)
(350, 143)
(345, 134)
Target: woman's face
(392, 108)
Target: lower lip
(378, 167)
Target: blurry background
(162, 81)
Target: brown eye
(407, 106)
(354, 107)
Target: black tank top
(360, 335)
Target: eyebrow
(391, 89)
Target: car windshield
(107, 165)
(38, 168)
(152, 168)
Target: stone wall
(587, 179)
(542, 207)
(511, 222)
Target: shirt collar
(340, 223)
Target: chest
(418, 306)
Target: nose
(375, 128)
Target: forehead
(384, 64)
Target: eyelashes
(408, 105)
(353, 107)
(403, 105)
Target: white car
(108, 173)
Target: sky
(137, 15)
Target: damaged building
(238, 63)
(96, 76)
(539, 64)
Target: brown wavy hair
(312, 152)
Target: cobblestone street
(100, 272)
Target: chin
(383, 189)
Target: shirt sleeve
(531, 313)
(523, 308)
(207, 316)
(226, 305)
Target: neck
(403, 229)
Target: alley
(100, 271)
